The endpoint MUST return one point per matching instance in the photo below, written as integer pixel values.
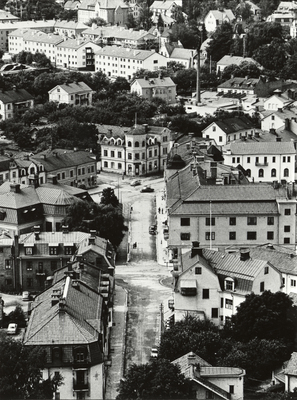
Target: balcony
(261, 164)
(80, 386)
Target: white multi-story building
(34, 41)
(124, 62)
(76, 54)
(264, 161)
(214, 18)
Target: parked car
(147, 189)
(136, 182)
(12, 328)
(154, 352)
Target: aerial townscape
(148, 199)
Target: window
(68, 250)
(288, 159)
(286, 172)
(229, 304)
(251, 236)
(220, 138)
(270, 235)
(229, 284)
(284, 158)
(7, 264)
(185, 236)
(231, 389)
(293, 282)
(207, 221)
(261, 173)
(54, 265)
(129, 156)
(40, 266)
(232, 235)
(105, 153)
(198, 270)
(252, 220)
(214, 128)
(119, 154)
(287, 240)
(270, 220)
(185, 222)
(53, 250)
(266, 270)
(233, 160)
(273, 159)
(209, 394)
(29, 251)
(205, 293)
(262, 286)
(112, 153)
(273, 172)
(287, 211)
(287, 228)
(207, 235)
(214, 313)
(29, 265)
(248, 160)
(232, 221)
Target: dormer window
(53, 248)
(68, 249)
(229, 284)
(29, 249)
(80, 354)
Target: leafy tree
(145, 16)
(108, 197)
(190, 334)
(244, 69)
(262, 33)
(272, 56)
(267, 316)
(17, 316)
(20, 371)
(158, 379)
(98, 21)
(221, 41)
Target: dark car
(147, 189)
(153, 229)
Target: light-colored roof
(237, 60)
(245, 148)
(135, 54)
(5, 15)
(53, 237)
(162, 5)
(117, 32)
(32, 24)
(155, 82)
(74, 43)
(183, 54)
(33, 35)
(220, 14)
(291, 368)
(70, 25)
(70, 88)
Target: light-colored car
(12, 329)
(136, 182)
(154, 352)
(26, 296)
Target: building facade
(162, 87)
(13, 102)
(75, 93)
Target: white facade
(221, 137)
(76, 53)
(276, 102)
(124, 62)
(214, 18)
(264, 162)
(72, 93)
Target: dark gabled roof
(58, 161)
(15, 96)
(239, 83)
(232, 125)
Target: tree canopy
(20, 371)
(158, 379)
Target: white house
(279, 119)
(264, 161)
(234, 60)
(124, 62)
(76, 54)
(228, 130)
(12, 101)
(75, 93)
(162, 87)
(214, 18)
(114, 12)
(277, 101)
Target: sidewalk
(161, 243)
(115, 371)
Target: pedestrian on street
(159, 209)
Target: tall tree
(221, 41)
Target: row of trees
(260, 337)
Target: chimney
(244, 254)
(15, 187)
(196, 249)
(213, 169)
(37, 232)
(43, 156)
(62, 304)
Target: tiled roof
(33, 35)
(58, 161)
(132, 54)
(12, 200)
(155, 82)
(33, 24)
(244, 148)
(210, 371)
(53, 237)
(49, 324)
(87, 4)
(70, 24)
(187, 360)
(231, 125)
(70, 88)
(291, 368)
(15, 96)
(237, 60)
(283, 114)
(117, 32)
(285, 260)
(220, 14)
(5, 15)
(239, 83)
(184, 54)
(73, 43)
(162, 5)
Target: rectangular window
(248, 160)
(7, 264)
(198, 270)
(262, 287)
(286, 240)
(229, 304)
(270, 220)
(207, 235)
(232, 221)
(266, 270)
(214, 313)
(232, 235)
(29, 251)
(252, 220)
(231, 389)
(220, 138)
(293, 282)
(185, 236)
(53, 250)
(68, 250)
(251, 236)
(29, 265)
(105, 153)
(185, 222)
(287, 211)
(270, 235)
(205, 293)
(273, 159)
(112, 153)
(287, 228)
(207, 221)
(284, 158)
